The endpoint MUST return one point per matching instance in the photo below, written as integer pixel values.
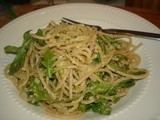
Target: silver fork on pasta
(152, 36)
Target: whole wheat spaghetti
(70, 69)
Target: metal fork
(154, 36)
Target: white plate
(142, 102)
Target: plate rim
(52, 7)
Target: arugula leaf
(98, 87)
(27, 38)
(108, 38)
(116, 99)
(116, 66)
(11, 49)
(113, 42)
(40, 33)
(138, 71)
(36, 91)
(18, 61)
(116, 44)
(84, 107)
(48, 61)
(21, 54)
(97, 59)
(122, 84)
(102, 106)
(101, 43)
(101, 75)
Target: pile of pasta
(69, 69)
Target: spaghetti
(70, 69)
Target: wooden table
(151, 16)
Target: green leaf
(36, 92)
(21, 54)
(127, 83)
(97, 59)
(116, 99)
(40, 33)
(48, 61)
(115, 43)
(82, 107)
(102, 106)
(108, 38)
(116, 66)
(101, 43)
(98, 87)
(122, 84)
(101, 75)
(18, 61)
(138, 71)
(27, 38)
(11, 49)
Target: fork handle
(156, 36)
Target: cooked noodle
(82, 57)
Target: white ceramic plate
(142, 102)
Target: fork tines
(66, 20)
(69, 21)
